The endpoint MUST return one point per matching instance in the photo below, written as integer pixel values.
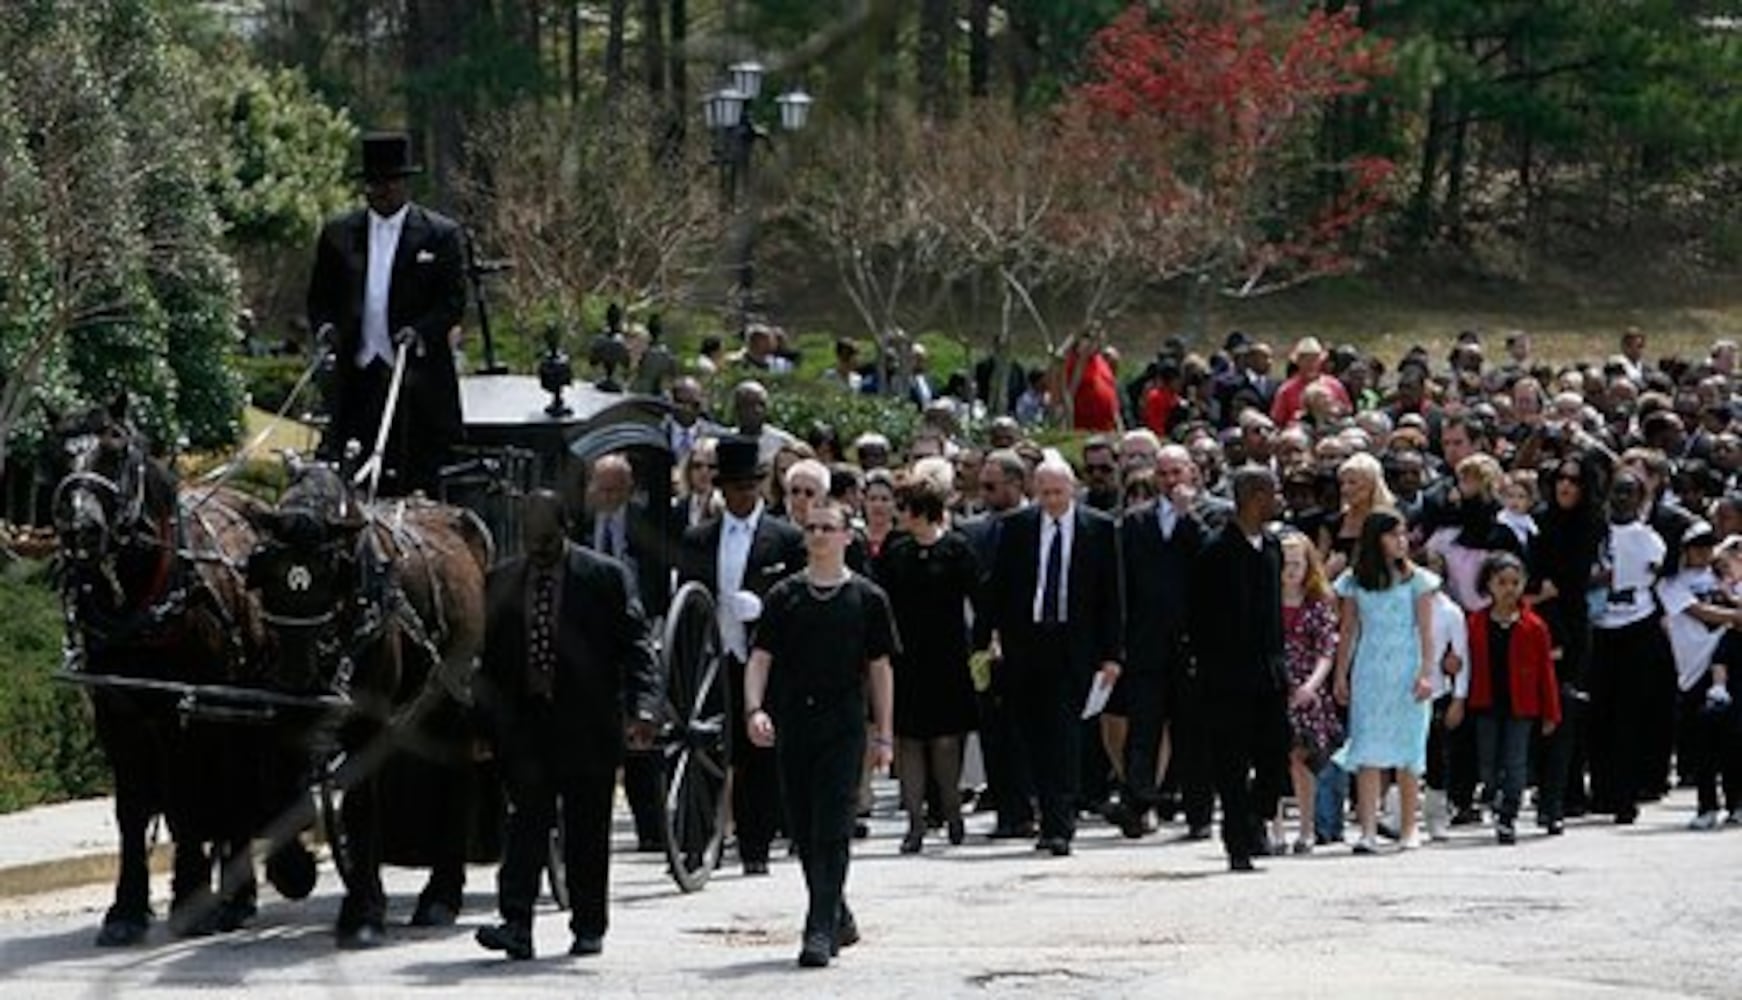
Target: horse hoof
(291, 870)
(122, 932)
(434, 914)
(362, 938)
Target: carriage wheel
(556, 869)
(695, 738)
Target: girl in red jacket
(1512, 684)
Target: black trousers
(1712, 747)
(414, 454)
(820, 747)
(1145, 715)
(1007, 772)
(1624, 690)
(533, 788)
(1190, 773)
(642, 786)
(1249, 749)
(1048, 699)
(755, 781)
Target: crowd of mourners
(1497, 574)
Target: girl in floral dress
(1309, 636)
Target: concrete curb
(72, 872)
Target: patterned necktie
(1049, 594)
(541, 654)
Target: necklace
(829, 592)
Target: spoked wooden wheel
(695, 738)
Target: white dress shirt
(1048, 525)
(383, 245)
(1167, 517)
(736, 534)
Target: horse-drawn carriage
(337, 582)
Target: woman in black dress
(930, 574)
(1561, 558)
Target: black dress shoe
(911, 843)
(1467, 816)
(958, 832)
(513, 939)
(587, 945)
(1058, 847)
(434, 913)
(1241, 863)
(1626, 817)
(816, 952)
(846, 930)
(1555, 827)
(756, 867)
(363, 937)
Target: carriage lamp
(554, 372)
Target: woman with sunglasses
(697, 500)
(1562, 555)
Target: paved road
(1602, 912)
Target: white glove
(744, 606)
(1718, 694)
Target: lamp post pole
(729, 114)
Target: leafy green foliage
(48, 751)
(281, 168)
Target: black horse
(155, 602)
(382, 604)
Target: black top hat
(740, 460)
(387, 155)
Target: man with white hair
(1058, 623)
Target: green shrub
(48, 749)
(269, 379)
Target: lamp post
(730, 114)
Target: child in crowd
(1385, 666)
(1518, 498)
(1309, 635)
(1513, 687)
(1451, 691)
(1701, 616)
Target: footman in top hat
(387, 274)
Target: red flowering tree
(1205, 118)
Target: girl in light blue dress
(1384, 670)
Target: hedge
(48, 749)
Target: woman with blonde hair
(697, 500)
(1362, 489)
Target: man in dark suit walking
(1159, 545)
(389, 274)
(613, 525)
(1059, 621)
(568, 669)
(1236, 620)
(739, 557)
(1003, 487)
